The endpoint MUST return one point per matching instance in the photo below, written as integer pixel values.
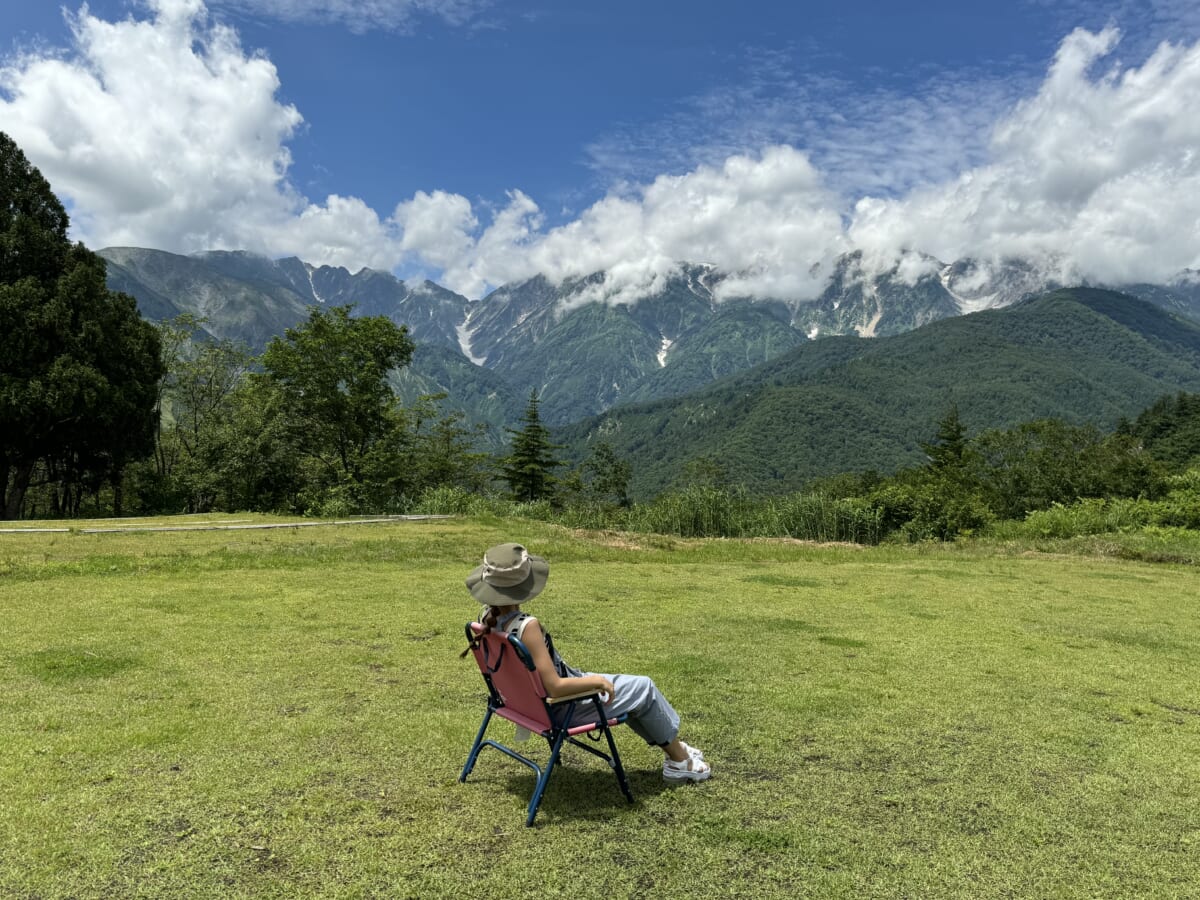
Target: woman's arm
(555, 684)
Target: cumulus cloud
(165, 132)
(1098, 172)
(1095, 175)
(436, 227)
(764, 219)
(361, 15)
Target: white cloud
(164, 132)
(1098, 172)
(436, 227)
(1096, 175)
(361, 15)
(880, 139)
(765, 219)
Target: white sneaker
(690, 769)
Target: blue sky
(478, 142)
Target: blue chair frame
(527, 698)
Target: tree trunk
(14, 498)
(118, 484)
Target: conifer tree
(949, 449)
(529, 468)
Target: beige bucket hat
(509, 575)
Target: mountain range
(582, 358)
(848, 403)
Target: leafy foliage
(331, 373)
(1169, 429)
(33, 223)
(79, 367)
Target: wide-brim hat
(509, 575)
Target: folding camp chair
(515, 692)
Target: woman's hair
(488, 621)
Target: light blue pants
(651, 717)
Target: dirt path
(215, 526)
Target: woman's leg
(651, 717)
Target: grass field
(284, 714)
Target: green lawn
(284, 714)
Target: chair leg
(614, 756)
(476, 747)
(544, 777)
(616, 764)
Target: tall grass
(696, 512)
(702, 511)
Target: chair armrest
(568, 697)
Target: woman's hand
(606, 688)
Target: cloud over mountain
(165, 132)
(1099, 172)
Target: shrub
(930, 509)
(1089, 516)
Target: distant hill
(850, 403)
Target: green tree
(331, 373)
(440, 449)
(948, 450)
(33, 223)
(1169, 429)
(79, 367)
(261, 462)
(203, 377)
(1040, 463)
(941, 500)
(529, 467)
(605, 476)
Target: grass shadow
(61, 665)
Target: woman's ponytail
(488, 621)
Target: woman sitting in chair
(508, 577)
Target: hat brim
(491, 595)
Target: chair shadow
(580, 791)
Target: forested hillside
(852, 404)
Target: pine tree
(529, 468)
(949, 449)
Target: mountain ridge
(581, 357)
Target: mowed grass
(284, 714)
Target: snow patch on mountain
(465, 334)
(662, 351)
(313, 287)
(967, 304)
